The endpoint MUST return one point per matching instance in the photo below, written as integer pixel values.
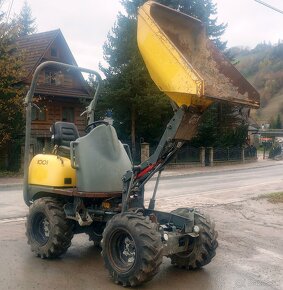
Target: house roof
(34, 47)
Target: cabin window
(54, 78)
(54, 52)
(37, 115)
(50, 77)
(68, 114)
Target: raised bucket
(184, 63)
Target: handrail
(28, 104)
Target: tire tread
(206, 243)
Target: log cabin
(61, 96)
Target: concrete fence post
(243, 154)
(202, 156)
(210, 156)
(144, 151)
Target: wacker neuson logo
(42, 162)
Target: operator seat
(63, 133)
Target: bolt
(196, 229)
(166, 237)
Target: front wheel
(201, 249)
(47, 229)
(131, 249)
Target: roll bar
(28, 104)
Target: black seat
(63, 133)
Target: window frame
(52, 50)
(35, 112)
(66, 109)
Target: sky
(85, 23)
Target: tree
(204, 10)
(222, 125)
(26, 21)
(11, 94)
(276, 124)
(139, 108)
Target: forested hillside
(263, 66)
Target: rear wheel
(131, 249)
(200, 250)
(48, 231)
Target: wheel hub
(122, 250)
(41, 229)
(46, 226)
(129, 250)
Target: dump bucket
(184, 63)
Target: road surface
(250, 238)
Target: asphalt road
(250, 238)
(218, 187)
(207, 188)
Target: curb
(11, 186)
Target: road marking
(12, 220)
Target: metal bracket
(84, 222)
(72, 211)
(184, 224)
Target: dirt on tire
(202, 249)
(132, 249)
(48, 231)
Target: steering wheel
(92, 125)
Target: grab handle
(74, 158)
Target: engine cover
(51, 170)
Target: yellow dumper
(89, 184)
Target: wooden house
(61, 96)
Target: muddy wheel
(202, 249)
(95, 234)
(48, 231)
(131, 249)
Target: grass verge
(274, 197)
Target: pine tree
(140, 110)
(26, 21)
(223, 125)
(278, 122)
(204, 10)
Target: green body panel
(100, 161)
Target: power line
(269, 6)
(9, 10)
(1, 4)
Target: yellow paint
(51, 170)
(168, 68)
